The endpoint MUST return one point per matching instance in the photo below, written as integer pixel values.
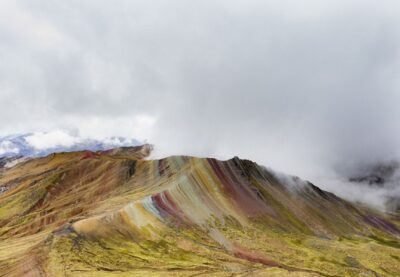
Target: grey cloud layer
(305, 88)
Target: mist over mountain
(374, 184)
(383, 177)
(40, 144)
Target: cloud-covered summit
(43, 143)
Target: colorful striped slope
(114, 213)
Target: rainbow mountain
(117, 213)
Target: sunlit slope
(116, 214)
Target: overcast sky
(305, 87)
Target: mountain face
(43, 144)
(115, 213)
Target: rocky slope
(115, 213)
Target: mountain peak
(114, 211)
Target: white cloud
(8, 147)
(19, 22)
(138, 127)
(53, 139)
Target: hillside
(115, 213)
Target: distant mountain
(384, 175)
(41, 144)
(377, 174)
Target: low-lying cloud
(40, 144)
(57, 138)
(307, 88)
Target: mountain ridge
(115, 212)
